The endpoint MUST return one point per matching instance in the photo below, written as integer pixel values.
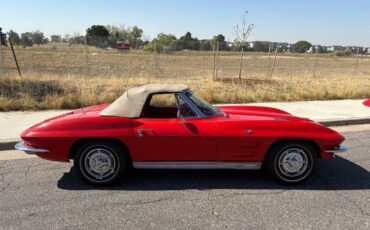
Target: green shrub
(148, 47)
(343, 53)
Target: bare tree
(242, 33)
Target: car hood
(258, 113)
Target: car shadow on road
(337, 174)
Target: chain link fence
(97, 57)
(275, 64)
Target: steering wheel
(185, 111)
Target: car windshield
(205, 107)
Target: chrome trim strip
(196, 165)
(339, 149)
(28, 149)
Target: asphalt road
(38, 194)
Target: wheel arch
(82, 141)
(311, 142)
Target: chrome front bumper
(339, 149)
(28, 149)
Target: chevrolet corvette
(168, 126)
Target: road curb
(10, 143)
(359, 121)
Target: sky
(321, 22)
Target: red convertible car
(367, 102)
(168, 126)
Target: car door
(171, 140)
(176, 139)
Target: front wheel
(291, 162)
(100, 163)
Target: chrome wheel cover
(100, 164)
(293, 162)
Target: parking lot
(39, 194)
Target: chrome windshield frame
(193, 106)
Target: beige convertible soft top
(131, 103)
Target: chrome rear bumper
(28, 149)
(339, 149)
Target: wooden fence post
(15, 57)
(273, 64)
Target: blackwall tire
(100, 163)
(291, 162)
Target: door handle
(142, 132)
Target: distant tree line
(27, 38)
(107, 36)
(169, 42)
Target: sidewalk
(13, 123)
(329, 113)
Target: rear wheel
(100, 162)
(291, 162)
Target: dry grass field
(66, 77)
